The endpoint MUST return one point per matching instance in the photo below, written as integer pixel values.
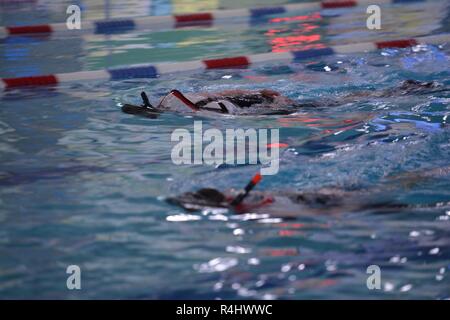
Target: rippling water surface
(82, 183)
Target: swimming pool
(84, 184)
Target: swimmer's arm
(241, 92)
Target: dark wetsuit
(243, 101)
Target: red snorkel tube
(183, 99)
(240, 197)
(237, 201)
(193, 106)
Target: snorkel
(250, 185)
(199, 105)
(177, 94)
(237, 203)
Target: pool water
(84, 184)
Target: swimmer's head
(206, 197)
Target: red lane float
(30, 81)
(338, 4)
(41, 28)
(205, 16)
(194, 19)
(241, 61)
(396, 43)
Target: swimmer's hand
(144, 110)
(140, 111)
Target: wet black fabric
(242, 101)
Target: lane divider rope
(157, 69)
(183, 20)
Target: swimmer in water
(262, 102)
(282, 204)
(292, 204)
